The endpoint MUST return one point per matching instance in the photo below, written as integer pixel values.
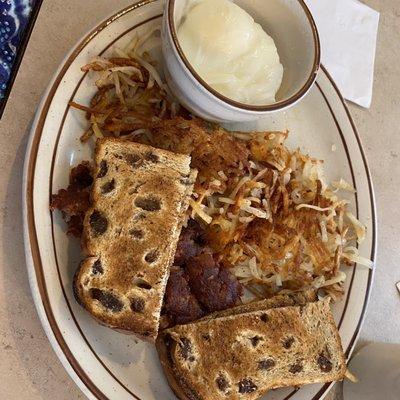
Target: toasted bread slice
(139, 199)
(245, 355)
(280, 300)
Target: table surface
(28, 367)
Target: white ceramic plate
(109, 365)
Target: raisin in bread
(242, 356)
(139, 198)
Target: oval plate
(109, 365)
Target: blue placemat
(14, 21)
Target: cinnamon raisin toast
(242, 356)
(139, 199)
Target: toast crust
(280, 300)
(139, 200)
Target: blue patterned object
(14, 17)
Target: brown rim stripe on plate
(51, 214)
(374, 222)
(30, 207)
(374, 227)
(281, 104)
(32, 231)
(351, 344)
(291, 394)
(355, 194)
(326, 386)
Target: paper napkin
(348, 31)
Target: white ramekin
(291, 25)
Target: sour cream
(231, 52)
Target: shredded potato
(271, 218)
(131, 92)
(283, 228)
